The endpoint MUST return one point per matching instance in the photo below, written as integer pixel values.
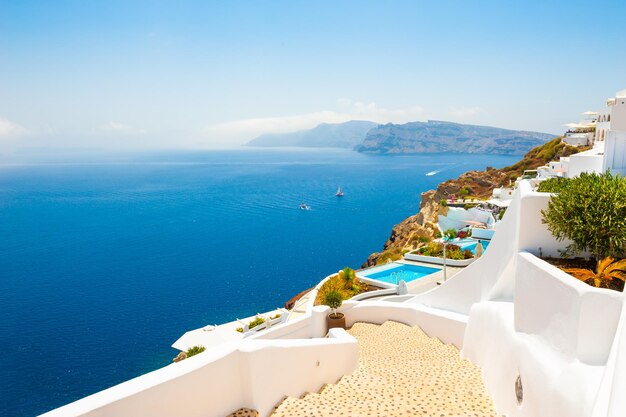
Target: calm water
(392, 274)
(103, 266)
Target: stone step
(362, 329)
(402, 371)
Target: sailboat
(339, 193)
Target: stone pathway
(402, 372)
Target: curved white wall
(492, 277)
(256, 374)
(557, 336)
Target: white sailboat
(339, 193)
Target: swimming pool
(394, 272)
(471, 244)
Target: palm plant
(606, 270)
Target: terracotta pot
(336, 322)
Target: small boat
(304, 207)
(339, 193)
(431, 173)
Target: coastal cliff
(438, 136)
(479, 184)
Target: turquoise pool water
(471, 244)
(404, 272)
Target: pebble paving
(402, 372)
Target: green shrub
(423, 239)
(389, 255)
(553, 185)
(194, 350)
(501, 214)
(436, 249)
(437, 234)
(464, 192)
(444, 203)
(347, 289)
(348, 275)
(333, 299)
(351, 285)
(450, 233)
(257, 321)
(454, 254)
(591, 212)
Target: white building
(615, 152)
(582, 133)
(612, 117)
(609, 143)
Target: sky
(207, 74)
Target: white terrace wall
(588, 161)
(448, 327)
(615, 153)
(256, 374)
(611, 401)
(492, 276)
(557, 337)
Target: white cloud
(9, 129)
(346, 110)
(464, 111)
(118, 127)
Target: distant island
(436, 136)
(414, 137)
(326, 135)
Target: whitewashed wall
(615, 153)
(589, 161)
(556, 336)
(256, 374)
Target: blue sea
(106, 261)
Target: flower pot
(337, 320)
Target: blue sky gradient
(120, 74)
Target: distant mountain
(435, 136)
(325, 135)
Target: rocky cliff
(436, 137)
(479, 184)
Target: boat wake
(431, 173)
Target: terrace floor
(401, 372)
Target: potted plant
(333, 299)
